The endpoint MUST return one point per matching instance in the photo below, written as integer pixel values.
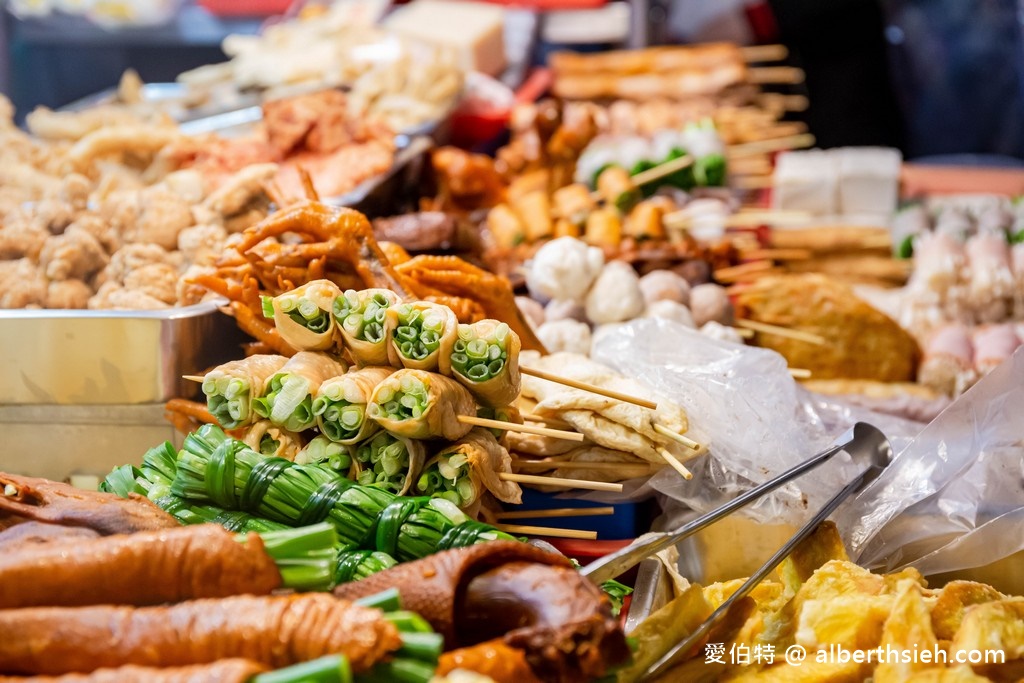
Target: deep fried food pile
(311, 240)
(825, 603)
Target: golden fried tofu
(997, 625)
(954, 599)
(909, 626)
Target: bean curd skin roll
(422, 405)
(268, 439)
(340, 405)
(361, 319)
(485, 359)
(421, 336)
(303, 316)
(465, 470)
(288, 394)
(388, 462)
(231, 388)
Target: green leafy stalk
(329, 669)
(478, 358)
(419, 332)
(385, 461)
(389, 600)
(354, 565)
(122, 481)
(362, 317)
(304, 556)
(408, 401)
(288, 403)
(616, 593)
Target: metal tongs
(865, 444)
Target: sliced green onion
(267, 303)
(329, 669)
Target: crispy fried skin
(146, 568)
(224, 671)
(276, 631)
(43, 500)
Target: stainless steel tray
(110, 357)
(79, 441)
(178, 101)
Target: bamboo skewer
(513, 427)
(549, 421)
(733, 273)
(593, 389)
(581, 465)
(556, 512)
(799, 373)
(553, 532)
(765, 328)
(680, 219)
(764, 53)
(194, 378)
(656, 173)
(770, 145)
(744, 333)
(676, 465)
(676, 436)
(776, 74)
(779, 254)
(558, 481)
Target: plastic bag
(954, 497)
(743, 403)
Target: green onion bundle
(353, 565)
(231, 388)
(340, 405)
(303, 316)
(448, 477)
(362, 320)
(421, 336)
(322, 451)
(417, 404)
(389, 462)
(485, 359)
(287, 399)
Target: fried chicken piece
(104, 232)
(240, 190)
(54, 215)
(158, 280)
(74, 255)
(65, 294)
(112, 296)
(202, 244)
(74, 191)
(155, 215)
(21, 238)
(187, 184)
(131, 257)
(22, 284)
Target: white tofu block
(806, 181)
(869, 179)
(473, 31)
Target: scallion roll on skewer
(485, 359)
(361, 319)
(326, 453)
(467, 469)
(421, 336)
(340, 405)
(389, 462)
(288, 394)
(422, 405)
(303, 315)
(268, 439)
(231, 388)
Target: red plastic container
(245, 8)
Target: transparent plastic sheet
(743, 403)
(954, 497)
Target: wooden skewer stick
(770, 145)
(764, 53)
(553, 532)
(778, 331)
(779, 254)
(544, 465)
(556, 512)
(558, 481)
(676, 465)
(549, 421)
(593, 389)
(776, 74)
(733, 273)
(679, 219)
(525, 429)
(656, 173)
(676, 436)
(744, 333)
(194, 378)
(799, 373)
